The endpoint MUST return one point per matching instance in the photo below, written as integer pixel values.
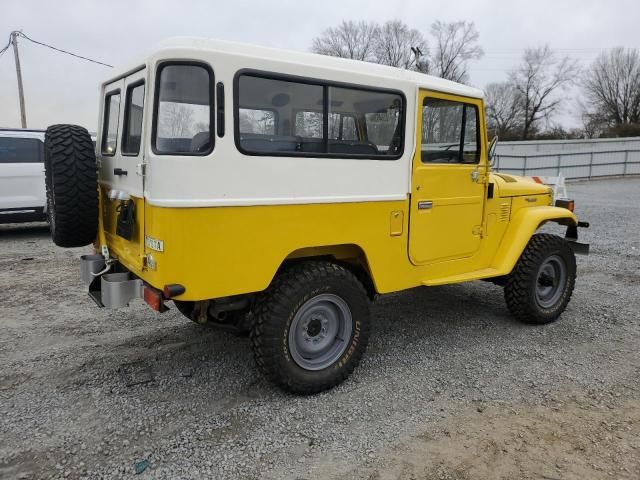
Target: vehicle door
(448, 188)
(120, 149)
(22, 184)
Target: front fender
(523, 225)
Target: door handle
(119, 172)
(425, 205)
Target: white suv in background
(22, 187)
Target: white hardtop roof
(22, 133)
(315, 60)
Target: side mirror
(492, 150)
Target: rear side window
(309, 124)
(184, 107)
(21, 150)
(379, 115)
(133, 120)
(257, 121)
(449, 132)
(341, 126)
(315, 118)
(284, 98)
(110, 126)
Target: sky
(62, 89)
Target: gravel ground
(450, 388)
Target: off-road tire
(72, 185)
(276, 308)
(521, 283)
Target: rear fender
(523, 225)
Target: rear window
(183, 121)
(21, 150)
(111, 119)
(133, 120)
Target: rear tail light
(154, 298)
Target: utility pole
(23, 113)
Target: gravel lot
(450, 388)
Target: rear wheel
(72, 185)
(311, 327)
(540, 286)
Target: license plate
(153, 244)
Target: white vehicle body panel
(132, 182)
(228, 177)
(22, 183)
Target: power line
(59, 50)
(6, 47)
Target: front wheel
(311, 327)
(539, 287)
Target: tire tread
(72, 178)
(272, 305)
(518, 284)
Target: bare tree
(395, 42)
(455, 44)
(176, 120)
(504, 109)
(355, 40)
(539, 79)
(397, 45)
(612, 89)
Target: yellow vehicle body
(276, 193)
(222, 251)
(218, 252)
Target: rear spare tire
(72, 185)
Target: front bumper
(572, 238)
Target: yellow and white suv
(279, 192)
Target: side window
(183, 120)
(471, 143)
(380, 115)
(261, 122)
(133, 120)
(316, 119)
(343, 127)
(21, 150)
(309, 124)
(298, 128)
(110, 125)
(449, 132)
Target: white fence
(574, 159)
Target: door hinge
(478, 177)
(141, 169)
(479, 231)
